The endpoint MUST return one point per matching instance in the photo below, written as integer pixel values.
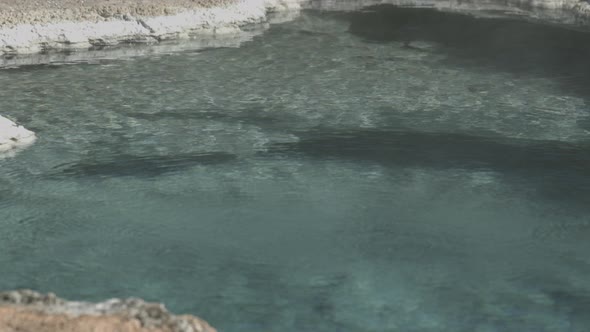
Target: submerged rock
(573, 13)
(13, 136)
(26, 310)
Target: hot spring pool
(391, 170)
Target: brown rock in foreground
(29, 311)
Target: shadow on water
(506, 44)
(257, 116)
(559, 170)
(141, 166)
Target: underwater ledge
(26, 310)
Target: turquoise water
(391, 170)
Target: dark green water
(394, 170)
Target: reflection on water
(390, 170)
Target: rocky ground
(39, 26)
(29, 311)
(13, 12)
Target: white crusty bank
(118, 24)
(104, 23)
(13, 137)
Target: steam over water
(387, 170)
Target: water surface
(390, 170)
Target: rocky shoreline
(38, 27)
(102, 24)
(26, 310)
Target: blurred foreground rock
(13, 136)
(29, 311)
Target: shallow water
(395, 170)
